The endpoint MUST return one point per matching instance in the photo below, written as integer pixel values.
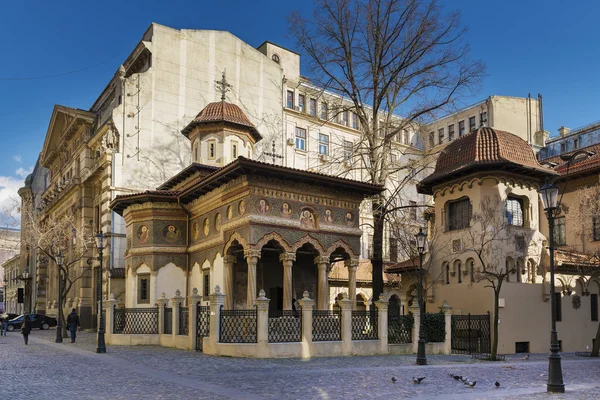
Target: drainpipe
(187, 252)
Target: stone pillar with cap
(252, 257)
(176, 303)
(323, 282)
(110, 305)
(307, 304)
(262, 324)
(447, 310)
(346, 305)
(162, 303)
(228, 264)
(217, 300)
(382, 323)
(287, 259)
(193, 301)
(416, 312)
(352, 267)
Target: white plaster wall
(195, 279)
(169, 279)
(217, 274)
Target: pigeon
(418, 380)
(497, 384)
(394, 379)
(526, 357)
(471, 384)
(464, 379)
(457, 377)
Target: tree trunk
(61, 315)
(494, 349)
(596, 348)
(377, 256)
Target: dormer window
(234, 151)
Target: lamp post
(421, 357)
(549, 197)
(101, 346)
(59, 264)
(25, 278)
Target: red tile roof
(222, 111)
(578, 166)
(484, 149)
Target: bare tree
(384, 57)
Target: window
(290, 99)
(563, 148)
(347, 149)
(413, 210)
(483, 119)
(324, 112)
(451, 132)
(312, 107)
(441, 135)
(459, 214)
(143, 288)
(406, 139)
(594, 306)
(459, 270)
(354, 121)
(471, 124)
(301, 139)
(560, 238)
(301, 99)
(461, 128)
(212, 150)
(472, 271)
(514, 211)
(206, 281)
(575, 143)
(234, 151)
(558, 304)
(345, 117)
(323, 144)
(393, 249)
(431, 139)
(596, 228)
(447, 274)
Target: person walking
(26, 328)
(73, 324)
(4, 325)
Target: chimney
(564, 131)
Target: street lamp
(25, 278)
(101, 346)
(59, 263)
(549, 197)
(421, 358)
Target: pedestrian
(73, 324)
(5, 325)
(26, 328)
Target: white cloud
(22, 172)
(9, 200)
(17, 158)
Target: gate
(471, 334)
(202, 324)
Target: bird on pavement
(456, 377)
(464, 379)
(526, 357)
(418, 380)
(497, 384)
(394, 379)
(470, 384)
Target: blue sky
(534, 46)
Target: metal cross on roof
(273, 154)
(223, 86)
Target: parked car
(40, 321)
(8, 315)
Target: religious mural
(263, 206)
(286, 210)
(171, 233)
(307, 220)
(142, 234)
(242, 207)
(328, 216)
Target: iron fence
(285, 326)
(326, 325)
(400, 328)
(238, 326)
(183, 320)
(168, 320)
(134, 321)
(434, 327)
(202, 324)
(471, 334)
(365, 325)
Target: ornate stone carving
(287, 257)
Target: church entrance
(270, 275)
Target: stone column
(228, 263)
(217, 299)
(447, 310)
(352, 266)
(346, 305)
(323, 284)
(416, 311)
(382, 324)
(288, 260)
(307, 305)
(262, 324)
(110, 317)
(193, 300)
(176, 302)
(252, 257)
(162, 302)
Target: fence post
(193, 300)
(217, 299)
(262, 323)
(447, 310)
(162, 302)
(416, 312)
(110, 317)
(346, 305)
(176, 303)
(307, 305)
(382, 324)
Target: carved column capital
(353, 263)
(251, 253)
(321, 260)
(287, 257)
(228, 259)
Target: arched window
(459, 268)
(447, 274)
(275, 58)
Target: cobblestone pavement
(150, 372)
